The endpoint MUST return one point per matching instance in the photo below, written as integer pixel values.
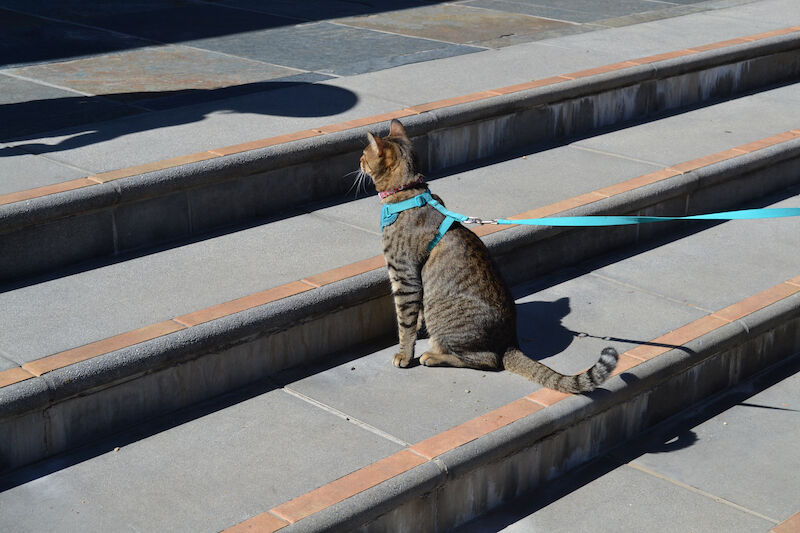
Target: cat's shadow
(539, 328)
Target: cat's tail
(519, 363)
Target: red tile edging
(790, 525)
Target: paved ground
(729, 465)
(163, 283)
(125, 83)
(100, 61)
(215, 465)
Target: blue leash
(744, 214)
(389, 214)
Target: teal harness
(389, 214)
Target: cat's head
(390, 161)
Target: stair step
(117, 210)
(355, 443)
(188, 323)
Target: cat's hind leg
(437, 356)
(440, 359)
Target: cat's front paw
(400, 360)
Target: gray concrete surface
(144, 290)
(727, 465)
(212, 466)
(218, 463)
(190, 125)
(214, 471)
(177, 202)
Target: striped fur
(468, 310)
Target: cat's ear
(376, 143)
(396, 129)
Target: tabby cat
(469, 313)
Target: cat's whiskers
(360, 182)
(356, 181)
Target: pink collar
(420, 180)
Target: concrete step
(352, 443)
(727, 463)
(149, 203)
(96, 351)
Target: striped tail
(519, 363)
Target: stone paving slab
(6, 363)
(455, 23)
(324, 9)
(332, 48)
(695, 275)
(28, 39)
(690, 30)
(28, 107)
(101, 302)
(150, 138)
(152, 72)
(627, 499)
(116, 144)
(417, 403)
(745, 454)
(203, 474)
(20, 171)
(181, 22)
(571, 10)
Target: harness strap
(744, 214)
(389, 214)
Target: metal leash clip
(476, 220)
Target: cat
(468, 310)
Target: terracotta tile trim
(88, 351)
(347, 486)
(722, 44)
(201, 316)
(331, 128)
(263, 143)
(375, 119)
(677, 337)
(707, 160)
(263, 523)
(14, 375)
(347, 271)
(600, 70)
(475, 428)
(531, 85)
(662, 57)
(758, 301)
(29, 194)
(244, 303)
(790, 525)
(546, 397)
(105, 177)
(428, 449)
